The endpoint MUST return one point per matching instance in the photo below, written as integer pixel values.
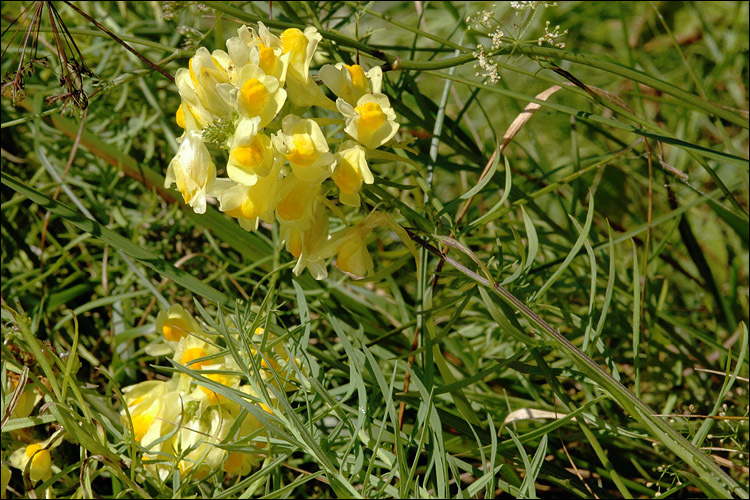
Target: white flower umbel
(489, 67)
(550, 37)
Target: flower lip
(303, 153)
(305, 147)
(250, 203)
(176, 324)
(251, 156)
(259, 94)
(298, 199)
(301, 47)
(358, 78)
(372, 122)
(253, 96)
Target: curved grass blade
(571, 255)
(501, 202)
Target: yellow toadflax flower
(218, 369)
(238, 463)
(146, 403)
(176, 324)
(305, 147)
(262, 49)
(372, 122)
(238, 99)
(37, 457)
(205, 88)
(350, 245)
(210, 396)
(270, 357)
(41, 461)
(296, 201)
(183, 423)
(251, 204)
(350, 83)
(191, 352)
(238, 47)
(156, 408)
(275, 358)
(350, 172)
(26, 401)
(192, 170)
(196, 442)
(353, 256)
(272, 61)
(251, 154)
(300, 47)
(206, 75)
(259, 94)
(306, 241)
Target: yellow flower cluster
(180, 421)
(279, 162)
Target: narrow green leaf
(571, 255)
(531, 238)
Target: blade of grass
(636, 321)
(582, 237)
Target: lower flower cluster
(187, 421)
